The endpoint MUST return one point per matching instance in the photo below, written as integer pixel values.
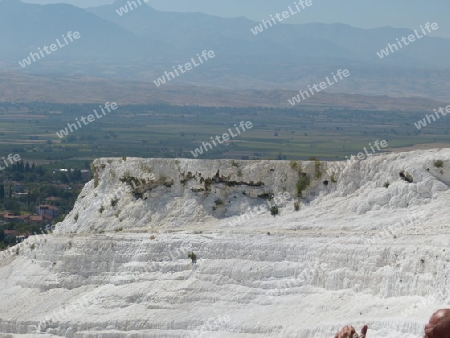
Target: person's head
(439, 325)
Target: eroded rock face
(355, 252)
(150, 193)
(175, 192)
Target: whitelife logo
(323, 85)
(90, 118)
(280, 200)
(187, 67)
(124, 10)
(423, 123)
(225, 137)
(411, 38)
(361, 156)
(53, 48)
(281, 17)
(12, 159)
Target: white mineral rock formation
(366, 248)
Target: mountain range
(144, 43)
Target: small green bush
(386, 184)
(438, 164)
(102, 208)
(333, 178)
(302, 183)
(193, 257)
(267, 196)
(274, 210)
(296, 206)
(218, 202)
(294, 165)
(95, 173)
(317, 171)
(130, 180)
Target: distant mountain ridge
(144, 43)
(333, 41)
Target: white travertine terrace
(355, 253)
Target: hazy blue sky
(358, 13)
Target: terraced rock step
(358, 252)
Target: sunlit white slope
(357, 251)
